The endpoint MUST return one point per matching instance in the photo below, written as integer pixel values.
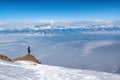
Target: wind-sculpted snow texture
(24, 70)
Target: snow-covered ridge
(58, 28)
(27, 71)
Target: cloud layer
(90, 46)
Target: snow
(56, 27)
(24, 70)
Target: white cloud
(45, 21)
(100, 20)
(90, 46)
(52, 21)
(1, 23)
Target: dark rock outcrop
(28, 57)
(5, 58)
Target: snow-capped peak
(56, 27)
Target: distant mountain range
(61, 27)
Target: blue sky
(71, 10)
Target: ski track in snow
(28, 71)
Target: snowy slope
(28, 71)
